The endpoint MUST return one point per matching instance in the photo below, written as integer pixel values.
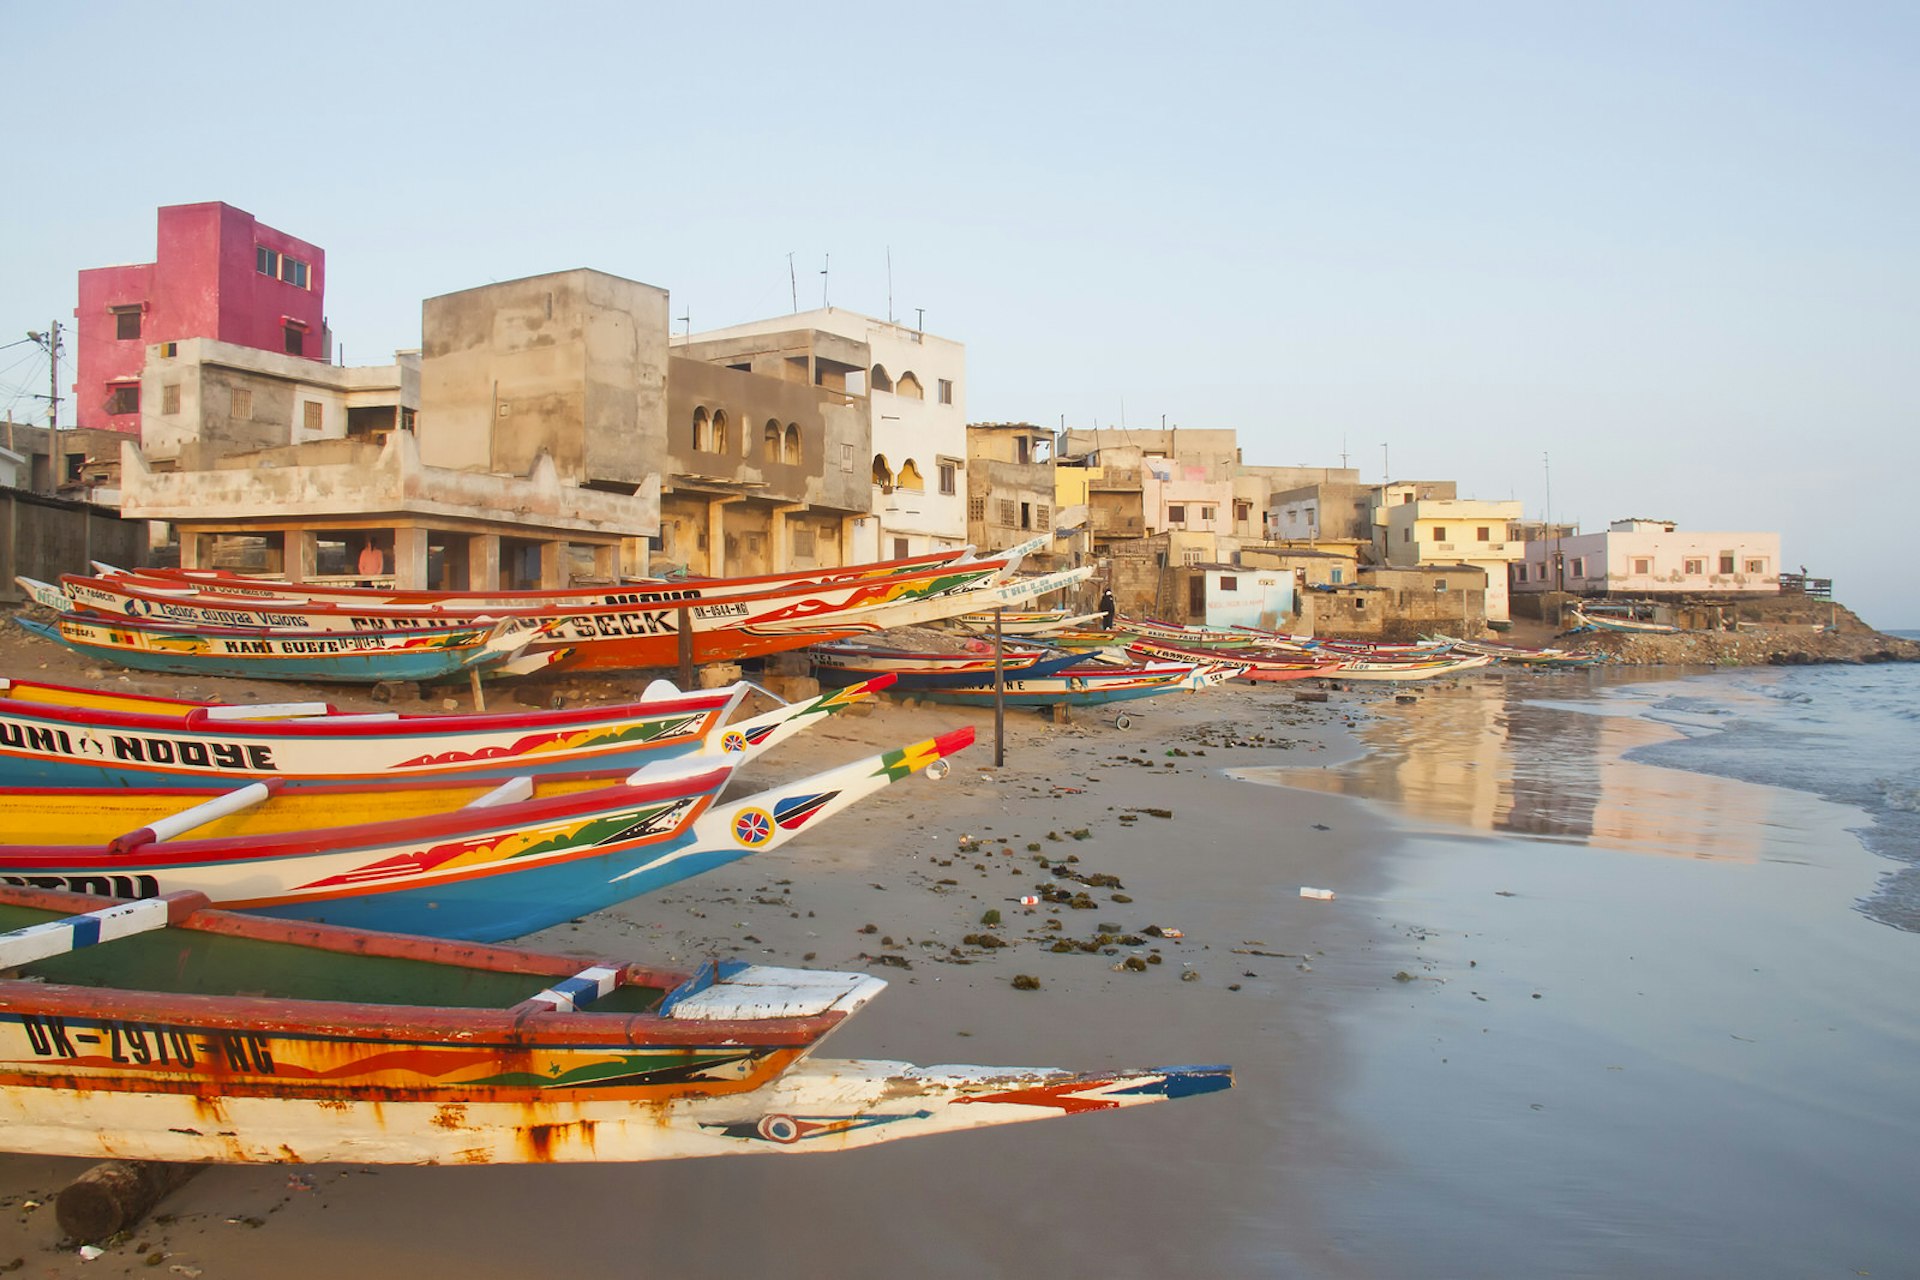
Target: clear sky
(1666, 253)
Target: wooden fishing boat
(1372, 669)
(631, 591)
(1259, 664)
(915, 670)
(360, 657)
(639, 636)
(171, 1030)
(1520, 655)
(52, 735)
(454, 862)
(1594, 619)
(1034, 623)
(1092, 685)
(1180, 633)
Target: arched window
(910, 387)
(882, 473)
(790, 445)
(702, 430)
(720, 431)
(770, 442)
(910, 474)
(881, 382)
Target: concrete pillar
(196, 549)
(852, 548)
(717, 536)
(410, 558)
(553, 565)
(636, 557)
(606, 561)
(483, 562)
(299, 555)
(778, 560)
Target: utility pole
(50, 343)
(793, 284)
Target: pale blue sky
(1672, 245)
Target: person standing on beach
(372, 563)
(1106, 607)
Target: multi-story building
(1457, 531)
(914, 393)
(1651, 558)
(1010, 488)
(217, 274)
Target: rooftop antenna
(1385, 465)
(920, 323)
(793, 284)
(823, 279)
(889, 284)
(687, 320)
(1343, 451)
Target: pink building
(216, 274)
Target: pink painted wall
(203, 283)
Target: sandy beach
(1392, 1045)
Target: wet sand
(1406, 1105)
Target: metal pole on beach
(999, 692)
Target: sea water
(1659, 1005)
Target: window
(1007, 512)
(1483, 534)
(170, 398)
(1695, 566)
(1026, 515)
(900, 551)
(123, 397)
(296, 340)
(126, 323)
(948, 478)
(1359, 604)
(293, 271)
(1337, 576)
(702, 430)
(908, 385)
(846, 458)
(1042, 516)
(266, 261)
(720, 431)
(1519, 573)
(770, 442)
(879, 378)
(1229, 583)
(1206, 515)
(1642, 565)
(946, 391)
(910, 476)
(311, 410)
(976, 509)
(1406, 534)
(1577, 566)
(1176, 515)
(1439, 533)
(1756, 566)
(1726, 562)
(242, 403)
(802, 540)
(790, 445)
(1020, 449)
(1439, 584)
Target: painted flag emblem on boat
(733, 740)
(794, 811)
(752, 827)
(787, 1130)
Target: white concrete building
(916, 388)
(1652, 557)
(1449, 531)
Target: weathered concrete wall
(573, 364)
(44, 537)
(832, 434)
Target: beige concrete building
(1445, 532)
(1011, 494)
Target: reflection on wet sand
(1539, 760)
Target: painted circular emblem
(733, 740)
(780, 1129)
(753, 826)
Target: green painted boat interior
(186, 962)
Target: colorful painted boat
(1037, 623)
(632, 591)
(125, 1034)
(453, 862)
(914, 670)
(635, 637)
(1520, 655)
(1366, 669)
(1179, 633)
(359, 657)
(1258, 664)
(1091, 685)
(55, 736)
